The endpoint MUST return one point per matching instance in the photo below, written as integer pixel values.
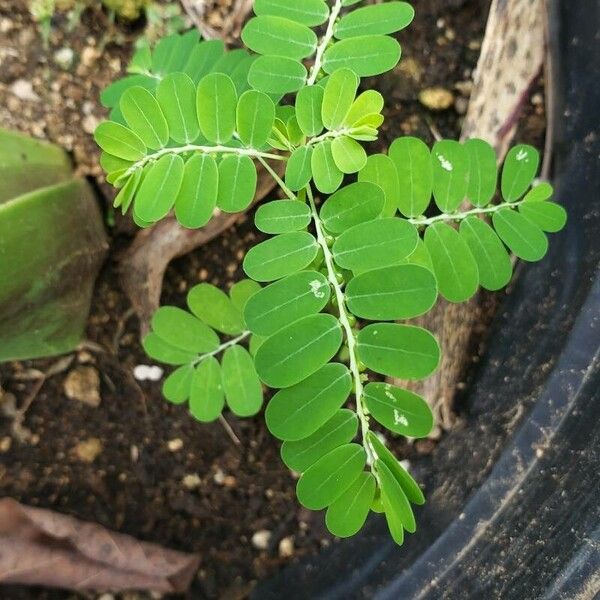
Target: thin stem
(324, 43)
(277, 179)
(222, 347)
(329, 134)
(459, 216)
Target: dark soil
(139, 482)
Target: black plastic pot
(514, 496)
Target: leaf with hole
(282, 216)
(346, 516)
(216, 309)
(197, 198)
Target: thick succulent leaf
(401, 351)
(524, 238)
(455, 268)
(394, 499)
(307, 12)
(348, 154)
(392, 293)
(216, 309)
(346, 516)
(243, 390)
(483, 172)
(493, 262)
(298, 170)
(282, 216)
(197, 196)
(176, 387)
(375, 244)
(365, 55)
(519, 171)
(298, 411)
(309, 102)
(203, 58)
(182, 330)
(450, 174)
(242, 291)
(216, 101)
(255, 118)
(353, 204)
(325, 481)
(326, 174)
(159, 189)
(118, 140)
(548, 216)
(280, 256)
(302, 454)
(286, 301)
(381, 171)
(299, 350)
(144, 117)
(279, 36)
(415, 175)
(237, 183)
(277, 74)
(156, 348)
(399, 410)
(376, 19)
(207, 398)
(176, 95)
(340, 91)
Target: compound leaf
(348, 513)
(282, 216)
(243, 390)
(144, 116)
(215, 308)
(207, 399)
(237, 183)
(176, 95)
(197, 196)
(365, 55)
(524, 238)
(216, 101)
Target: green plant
(188, 127)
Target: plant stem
(316, 68)
(277, 179)
(459, 216)
(222, 347)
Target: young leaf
(280, 256)
(524, 238)
(282, 216)
(197, 197)
(326, 174)
(348, 154)
(399, 410)
(286, 301)
(348, 513)
(307, 12)
(242, 291)
(401, 351)
(243, 390)
(119, 141)
(519, 171)
(483, 172)
(182, 330)
(176, 387)
(299, 350)
(538, 193)
(277, 74)
(298, 411)
(237, 183)
(112, 163)
(255, 118)
(548, 216)
(144, 116)
(454, 266)
(340, 429)
(340, 91)
(278, 36)
(392, 293)
(159, 188)
(450, 174)
(368, 103)
(326, 480)
(125, 196)
(375, 244)
(207, 399)
(394, 498)
(309, 102)
(216, 101)
(377, 19)
(215, 308)
(381, 171)
(156, 348)
(298, 169)
(176, 95)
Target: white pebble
(147, 373)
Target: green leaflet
(279, 36)
(241, 292)
(112, 163)
(381, 171)
(539, 193)
(454, 266)
(307, 12)
(237, 183)
(216, 101)
(365, 55)
(176, 387)
(548, 216)
(399, 410)
(368, 103)
(375, 244)
(111, 95)
(182, 330)
(450, 174)
(340, 429)
(340, 91)
(144, 116)
(119, 141)
(415, 175)
(176, 95)
(159, 189)
(377, 19)
(353, 204)
(392, 293)
(326, 174)
(483, 172)
(346, 516)
(243, 390)
(202, 58)
(401, 351)
(156, 348)
(396, 505)
(282, 216)
(298, 411)
(420, 256)
(309, 101)
(286, 301)
(520, 168)
(524, 238)
(298, 169)
(299, 350)
(255, 118)
(127, 192)
(207, 398)
(493, 262)
(216, 309)
(280, 256)
(277, 74)
(348, 154)
(197, 198)
(326, 480)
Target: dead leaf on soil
(41, 547)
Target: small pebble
(5, 444)
(147, 373)
(461, 106)
(175, 445)
(23, 90)
(88, 450)
(191, 481)
(261, 539)
(64, 58)
(436, 98)
(90, 123)
(83, 384)
(286, 547)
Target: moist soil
(134, 463)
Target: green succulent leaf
(376, 19)
(519, 171)
(242, 387)
(197, 198)
(207, 398)
(176, 95)
(524, 238)
(216, 309)
(282, 216)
